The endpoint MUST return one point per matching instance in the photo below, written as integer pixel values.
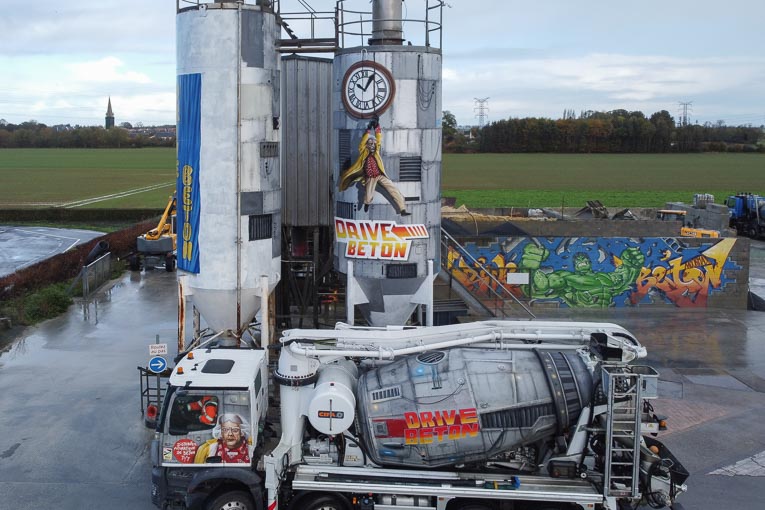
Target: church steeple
(109, 115)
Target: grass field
(618, 180)
(59, 176)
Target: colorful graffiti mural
(596, 272)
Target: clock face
(368, 89)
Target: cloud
(107, 69)
(74, 26)
(595, 81)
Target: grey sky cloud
(60, 61)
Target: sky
(60, 61)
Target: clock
(368, 89)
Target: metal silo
(229, 189)
(307, 208)
(388, 89)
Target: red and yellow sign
(380, 240)
(428, 427)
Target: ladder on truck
(626, 388)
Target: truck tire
(134, 262)
(321, 502)
(469, 505)
(232, 500)
(169, 263)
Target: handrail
(350, 29)
(344, 22)
(493, 309)
(486, 270)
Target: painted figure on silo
(369, 170)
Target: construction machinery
(747, 214)
(157, 246)
(488, 415)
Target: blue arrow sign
(157, 364)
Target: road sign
(157, 349)
(157, 364)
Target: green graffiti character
(581, 287)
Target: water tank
(463, 405)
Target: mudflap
(677, 471)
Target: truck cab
(747, 214)
(209, 429)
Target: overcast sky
(61, 60)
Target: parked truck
(747, 214)
(489, 415)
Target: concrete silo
(229, 189)
(387, 131)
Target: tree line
(617, 131)
(32, 134)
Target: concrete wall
(713, 216)
(600, 228)
(602, 272)
(569, 228)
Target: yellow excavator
(158, 244)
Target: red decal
(184, 451)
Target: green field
(60, 176)
(617, 180)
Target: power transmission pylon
(482, 110)
(686, 107)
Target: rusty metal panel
(306, 141)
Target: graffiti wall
(597, 272)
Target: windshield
(207, 427)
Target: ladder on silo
(624, 396)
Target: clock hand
(369, 82)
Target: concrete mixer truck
(483, 416)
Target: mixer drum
(440, 408)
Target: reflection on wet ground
(73, 386)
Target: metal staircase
(502, 303)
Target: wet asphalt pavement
(73, 436)
(23, 246)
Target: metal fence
(96, 274)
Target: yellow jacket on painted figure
(356, 171)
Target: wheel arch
(300, 498)
(210, 483)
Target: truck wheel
(169, 263)
(322, 502)
(134, 262)
(468, 505)
(233, 500)
(752, 232)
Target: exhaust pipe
(387, 24)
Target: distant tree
(664, 126)
(126, 125)
(448, 124)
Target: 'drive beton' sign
(378, 240)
